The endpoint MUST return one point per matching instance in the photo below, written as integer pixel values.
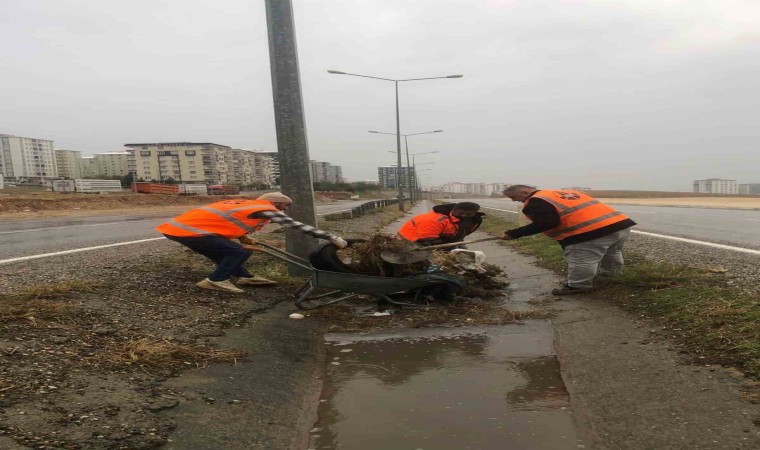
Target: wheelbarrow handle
(455, 244)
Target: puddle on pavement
(464, 388)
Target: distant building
(326, 172)
(188, 162)
(27, 158)
(105, 165)
(576, 188)
(749, 189)
(459, 187)
(250, 168)
(275, 164)
(716, 186)
(69, 163)
(387, 177)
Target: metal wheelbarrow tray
(344, 285)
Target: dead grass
(64, 289)
(160, 353)
(38, 305)
(344, 318)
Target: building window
(189, 152)
(144, 153)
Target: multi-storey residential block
(749, 189)
(105, 165)
(264, 169)
(387, 177)
(275, 164)
(27, 158)
(716, 186)
(69, 163)
(187, 162)
(326, 172)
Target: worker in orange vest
(591, 233)
(445, 224)
(209, 230)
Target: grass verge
(717, 323)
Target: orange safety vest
(428, 225)
(578, 213)
(228, 219)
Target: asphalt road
(32, 237)
(735, 227)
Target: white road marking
(76, 226)
(706, 244)
(753, 220)
(497, 209)
(637, 212)
(76, 250)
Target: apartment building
(105, 165)
(264, 170)
(187, 162)
(27, 158)
(275, 165)
(749, 189)
(326, 172)
(716, 186)
(69, 163)
(387, 177)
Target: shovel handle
(455, 244)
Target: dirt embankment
(50, 204)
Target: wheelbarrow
(345, 286)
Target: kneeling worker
(209, 230)
(444, 224)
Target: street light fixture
(409, 167)
(398, 117)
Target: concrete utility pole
(292, 147)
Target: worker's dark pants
(228, 255)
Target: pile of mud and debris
(483, 280)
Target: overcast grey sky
(633, 94)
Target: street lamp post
(398, 117)
(408, 165)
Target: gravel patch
(70, 325)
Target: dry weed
(160, 353)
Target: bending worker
(209, 230)
(591, 233)
(444, 224)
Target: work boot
(569, 290)
(224, 285)
(255, 281)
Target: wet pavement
(453, 388)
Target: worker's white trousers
(603, 255)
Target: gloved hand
(339, 242)
(246, 240)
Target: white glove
(339, 242)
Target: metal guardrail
(360, 210)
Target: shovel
(418, 254)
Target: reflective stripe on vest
(553, 234)
(228, 219)
(588, 215)
(228, 215)
(189, 228)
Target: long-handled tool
(418, 254)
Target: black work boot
(569, 290)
